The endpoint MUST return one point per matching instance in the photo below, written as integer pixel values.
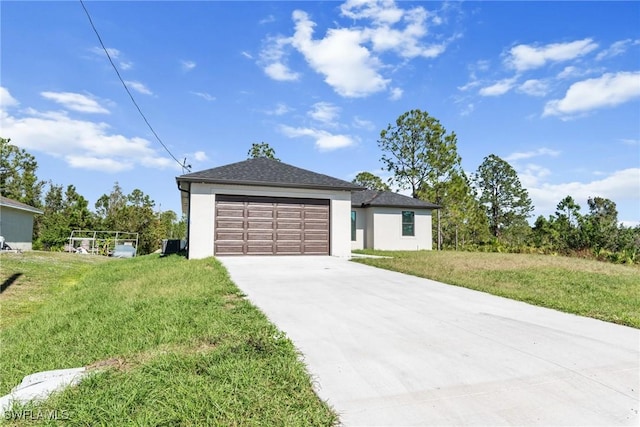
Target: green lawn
(595, 289)
(170, 341)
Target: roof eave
(367, 205)
(266, 184)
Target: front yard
(171, 342)
(590, 288)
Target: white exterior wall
(202, 211)
(361, 226)
(16, 226)
(387, 230)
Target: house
(16, 223)
(265, 207)
(390, 221)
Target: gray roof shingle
(368, 198)
(267, 172)
(10, 203)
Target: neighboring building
(16, 223)
(389, 221)
(266, 207)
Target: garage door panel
(289, 225)
(259, 225)
(288, 214)
(320, 225)
(227, 248)
(259, 249)
(261, 236)
(268, 214)
(289, 235)
(232, 235)
(255, 225)
(317, 214)
(230, 213)
(316, 249)
(288, 249)
(316, 235)
(229, 224)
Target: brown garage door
(246, 225)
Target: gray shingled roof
(368, 198)
(10, 203)
(267, 172)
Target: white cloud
(348, 67)
(467, 109)
(6, 100)
(97, 163)
(116, 56)
(534, 87)
(620, 186)
(529, 154)
(279, 110)
(395, 93)
(273, 59)
(139, 87)
(324, 112)
(526, 57)
(200, 156)
(246, 54)
(324, 141)
(75, 102)
(205, 96)
(382, 12)
(349, 57)
(363, 124)
(188, 65)
(608, 90)
(629, 141)
(80, 143)
(498, 88)
(616, 49)
(267, 20)
(280, 71)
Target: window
(408, 223)
(353, 226)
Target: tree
(421, 155)
(567, 224)
(63, 213)
(134, 213)
(370, 181)
(601, 224)
(261, 150)
(418, 151)
(506, 202)
(18, 179)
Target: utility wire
(183, 165)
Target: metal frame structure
(100, 242)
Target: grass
(170, 341)
(30, 278)
(585, 287)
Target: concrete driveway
(387, 349)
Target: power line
(183, 165)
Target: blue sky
(551, 87)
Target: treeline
(490, 210)
(66, 210)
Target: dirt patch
(124, 364)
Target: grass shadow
(9, 281)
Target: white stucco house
(265, 207)
(390, 221)
(16, 223)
